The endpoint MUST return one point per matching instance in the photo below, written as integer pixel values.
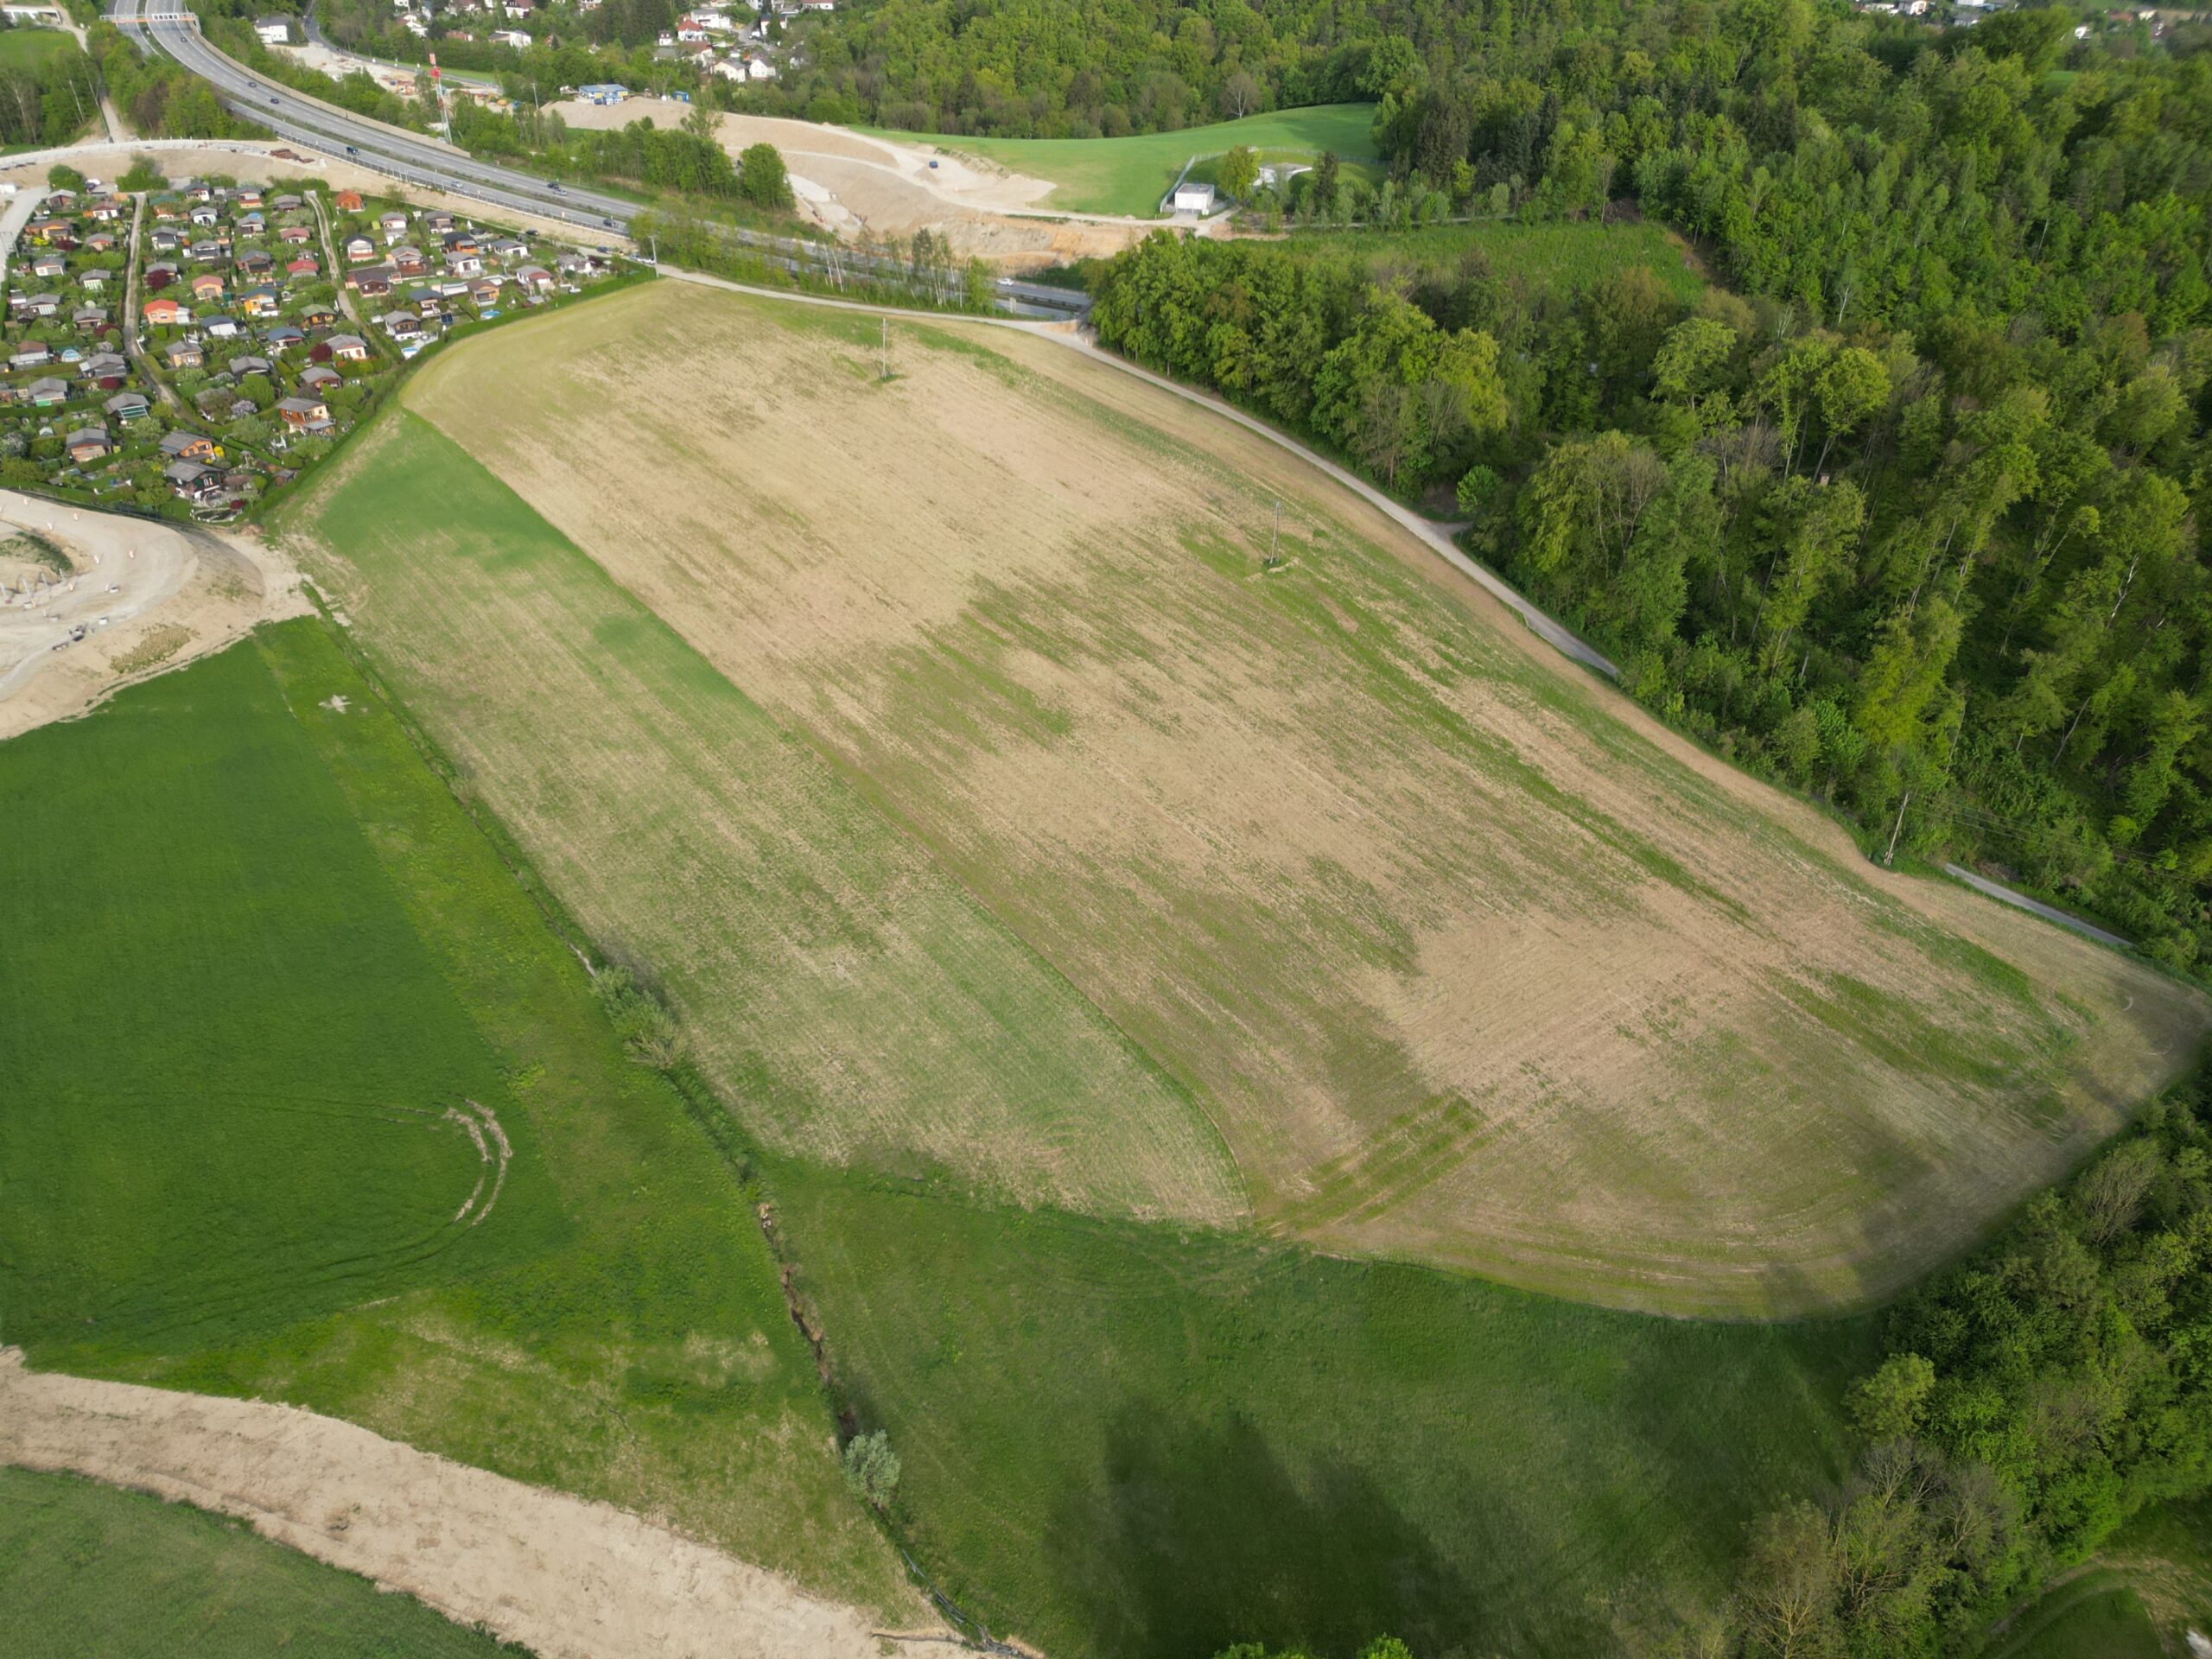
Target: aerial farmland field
(1413, 919)
(233, 1034)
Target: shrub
(871, 1468)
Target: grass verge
(90, 1573)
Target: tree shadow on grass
(1201, 1536)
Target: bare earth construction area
(1463, 958)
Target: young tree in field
(872, 1469)
(1238, 171)
(762, 179)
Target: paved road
(2035, 906)
(429, 162)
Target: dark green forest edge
(1909, 520)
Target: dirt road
(562, 1576)
(147, 596)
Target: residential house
(394, 225)
(407, 261)
(359, 250)
(49, 266)
(247, 363)
(183, 354)
(207, 285)
(304, 414)
(273, 31)
(347, 349)
(31, 354)
(372, 283)
(317, 375)
(301, 270)
(88, 319)
(107, 370)
(206, 215)
(221, 327)
(347, 201)
(295, 235)
(159, 276)
(317, 316)
(48, 393)
(401, 325)
(88, 443)
(195, 480)
(286, 204)
(128, 406)
(161, 239)
(284, 337)
(190, 446)
(254, 264)
(262, 301)
(536, 278)
(43, 306)
(161, 310)
(485, 291)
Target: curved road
(436, 165)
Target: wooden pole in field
(1890, 856)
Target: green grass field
(235, 995)
(32, 50)
(1128, 1440)
(268, 941)
(1546, 258)
(2151, 1583)
(1130, 176)
(90, 1573)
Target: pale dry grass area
(835, 982)
(1469, 960)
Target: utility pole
(884, 347)
(1275, 541)
(1890, 856)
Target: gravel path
(562, 1576)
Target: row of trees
(2031, 1401)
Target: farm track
(568, 1579)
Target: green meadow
(90, 1573)
(1561, 258)
(1128, 1440)
(267, 942)
(1130, 174)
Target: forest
(1902, 511)
(46, 97)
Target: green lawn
(1548, 258)
(265, 953)
(2097, 1615)
(1129, 175)
(32, 50)
(1127, 1440)
(90, 1573)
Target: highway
(412, 159)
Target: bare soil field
(1468, 960)
(560, 1574)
